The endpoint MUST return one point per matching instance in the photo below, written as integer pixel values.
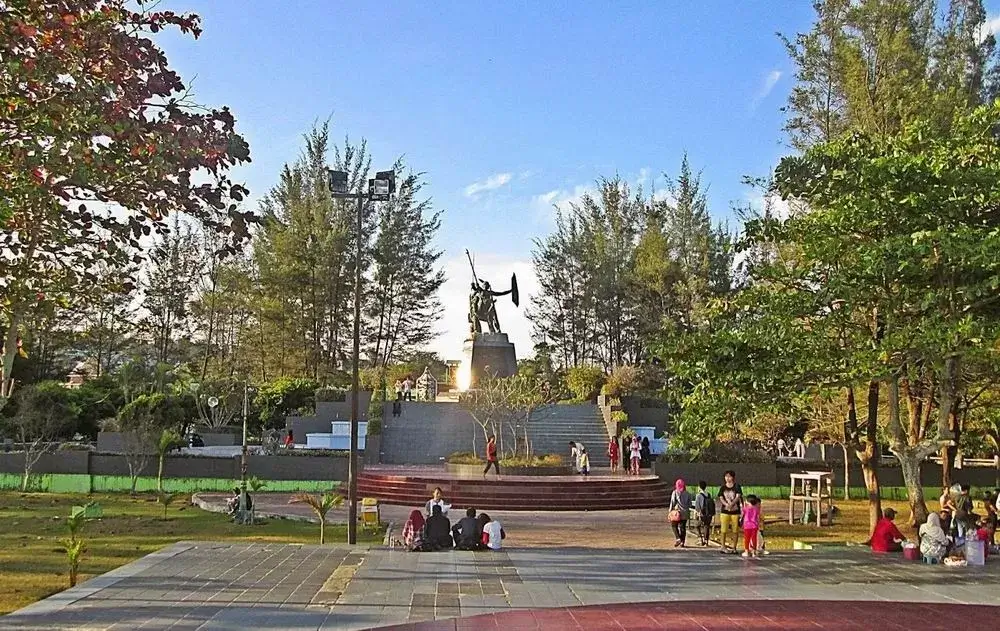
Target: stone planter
(476, 470)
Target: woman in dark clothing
(645, 453)
(437, 532)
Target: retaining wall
(85, 471)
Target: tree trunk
(911, 465)
(9, 352)
(869, 467)
(322, 529)
(159, 475)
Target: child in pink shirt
(751, 524)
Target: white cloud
(770, 80)
(453, 326)
(992, 25)
(560, 199)
(491, 183)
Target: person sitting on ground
(887, 537)
(437, 532)
(289, 440)
(468, 532)
(413, 530)
(437, 499)
(493, 534)
(989, 520)
(934, 543)
(233, 504)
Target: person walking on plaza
(491, 457)
(678, 512)
(613, 454)
(751, 524)
(730, 507)
(704, 507)
(407, 389)
(635, 455)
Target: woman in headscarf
(680, 501)
(934, 543)
(413, 529)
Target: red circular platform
(412, 486)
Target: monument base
(489, 354)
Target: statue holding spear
(482, 301)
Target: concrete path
(240, 586)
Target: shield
(514, 295)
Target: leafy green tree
(402, 299)
(101, 142)
(275, 400)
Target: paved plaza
(241, 586)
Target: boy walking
(704, 505)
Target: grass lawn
(850, 524)
(32, 566)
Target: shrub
(464, 457)
(330, 395)
(619, 418)
(624, 380)
(374, 426)
(585, 381)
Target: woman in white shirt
(493, 534)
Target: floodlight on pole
(380, 189)
(337, 181)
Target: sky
(509, 109)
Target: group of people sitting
(435, 532)
(945, 528)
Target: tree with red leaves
(99, 144)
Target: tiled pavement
(223, 586)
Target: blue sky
(507, 107)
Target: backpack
(707, 506)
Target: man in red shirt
(491, 456)
(887, 537)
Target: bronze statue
(482, 302)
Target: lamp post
(380, 188)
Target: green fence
(82, 483)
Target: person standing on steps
(613, 454)
(491, 457)
(575, 449)
(635, 453)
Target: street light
(380, 188)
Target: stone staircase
(553, 426)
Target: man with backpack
(704, 506)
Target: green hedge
(82, 483)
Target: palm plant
(321, 505)
(165, 499)
(72, 546)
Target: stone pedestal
(490, 354)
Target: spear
(475, 279)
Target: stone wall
(279, 467)
(425, 433)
